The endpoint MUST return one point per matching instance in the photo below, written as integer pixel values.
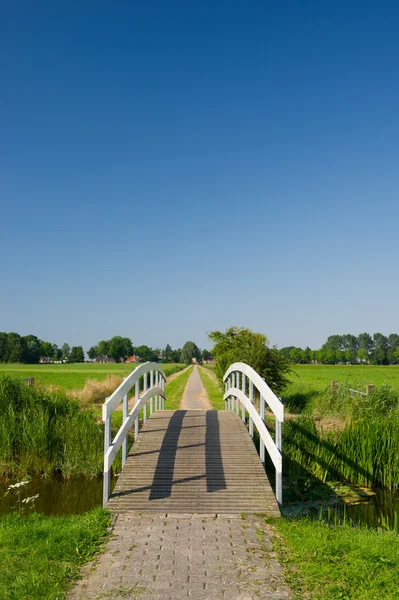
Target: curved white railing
(156, 389)
(235, 395)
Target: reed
(43, 431)
(363, 452)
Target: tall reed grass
(364, 452)
(43, 431)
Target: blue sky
(170, 168)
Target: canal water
(58, 496)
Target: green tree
(103, 349)
(3, 347)
(167, 353)
(146, 354)
(363, 355)
(393, 343)
(77, 355)
(238, 344)
(176, 355)
(365, 341)
(380, 348)
(205, 354)
(15, 348)
(32, 349)
(66, 351)
(189, 351)
(92, 352)
(120, 348)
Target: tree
(3, 347)
(363, 355)
(77, 355)
(167, 353)
(365, 341)
(92, 352)
(380, 348)
(66, 351)
(103, 349)
(393, 343)
(206, 355)
(32, 349)
(146, 354)
(295, 355)
(396, 354)
(15, 348)
(238, 344)
(189, 351)
(120, 348)
(176, 355)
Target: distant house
(132, 359)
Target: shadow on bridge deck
(193, 462)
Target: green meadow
(74, 376)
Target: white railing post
(251, 399)
(279, 472)
(243, 389)
(237, 400)
(124, 445)
(162, 386)
(226, 387)
(151, 385)
(262, 416)
(257, 418)
(136, 422)
(107, 471)
(156, 385)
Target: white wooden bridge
(193, 461)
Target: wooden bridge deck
(193, 461)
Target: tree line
(29, 349)
(120, 349)
(376, 349)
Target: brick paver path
(173, 557)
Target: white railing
(155, 391)
(235, 395)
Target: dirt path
(195, 396)
(175, 375)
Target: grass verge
(40, 555)
(215, 393)
(175, 390)
(333, 562)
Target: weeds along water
(43, 432)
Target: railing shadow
(163, 479)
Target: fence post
(334, 386)
(369, 388)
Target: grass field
(215, 393)
(74, 376)
(41, 555)
(175, 389)
(308, 381)
(328, 562)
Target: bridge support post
(251, 398)
(124, 445)
(107, 473)
(237, 386)
(262, 416)
(151, 385)
(136, 422)
(243, 388)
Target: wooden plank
(193, 462)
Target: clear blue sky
(170, 168)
